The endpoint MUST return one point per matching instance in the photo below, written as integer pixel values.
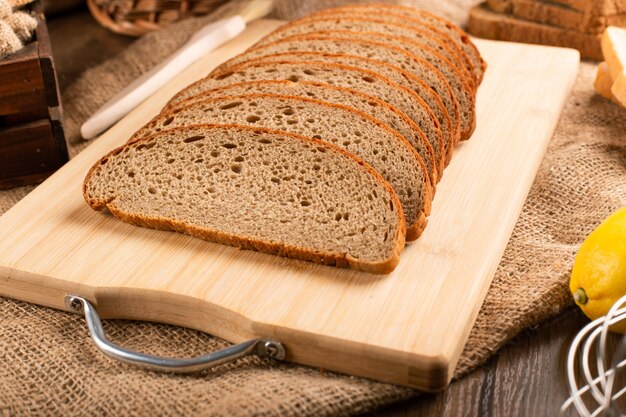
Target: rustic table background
(526, 378)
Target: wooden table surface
(525, 378)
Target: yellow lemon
(599, 273)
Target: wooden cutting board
(407, 328)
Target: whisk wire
(600, 386)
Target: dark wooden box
(32, 144)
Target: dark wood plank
(28, 115)
(45, 57)
(29, 152)
(31, 131)
(526, 378)
(22, 88)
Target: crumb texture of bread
(394, 118)
(422, 93)
(377, 144)
(416, 19)
(424, 71)
(257, 189)
(420, 41)
(427, 80)
(359, 79)
(364, 81)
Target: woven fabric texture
(16, 28)
(50, 367)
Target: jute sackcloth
(50, 367)
(16, 28)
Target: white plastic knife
(204, 41)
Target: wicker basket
(136, 17)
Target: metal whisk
(601, 385)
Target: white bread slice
(255, 189)
(356, 132)
(359, 79)
(604, 82)
(419, 19)
(378, 109)
(614, 51)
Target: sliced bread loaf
(356, 132)
(485, 23)
(421, 43)
(604, 82)
(378, 109)
(256, 189)
(364, 81)
(426, 47)
(564, 17)
(419, 18)
(393, 62)
(350, 20)
(450, 131)
(596, 7)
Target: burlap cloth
(50, 367)
(16, 28)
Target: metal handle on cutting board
(262, 347)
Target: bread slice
(356, 132)
(403, 78)
(614, 50)
(256, 189)
(378, 109)
(391, 62)
(604, 82)
(487, 24)
(364, 81)
(596, 7)
(589, 7)
(422, 43)
(500, 6)
(356, 22)
(564, 17)
(419, 18)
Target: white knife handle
(207, 39)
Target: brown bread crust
(454, 127)
(414, 17)
(399, 113)
(468, 90)
(487, 24)
(414, 230)
(456, 60)
(412, 24)
(182, 95)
